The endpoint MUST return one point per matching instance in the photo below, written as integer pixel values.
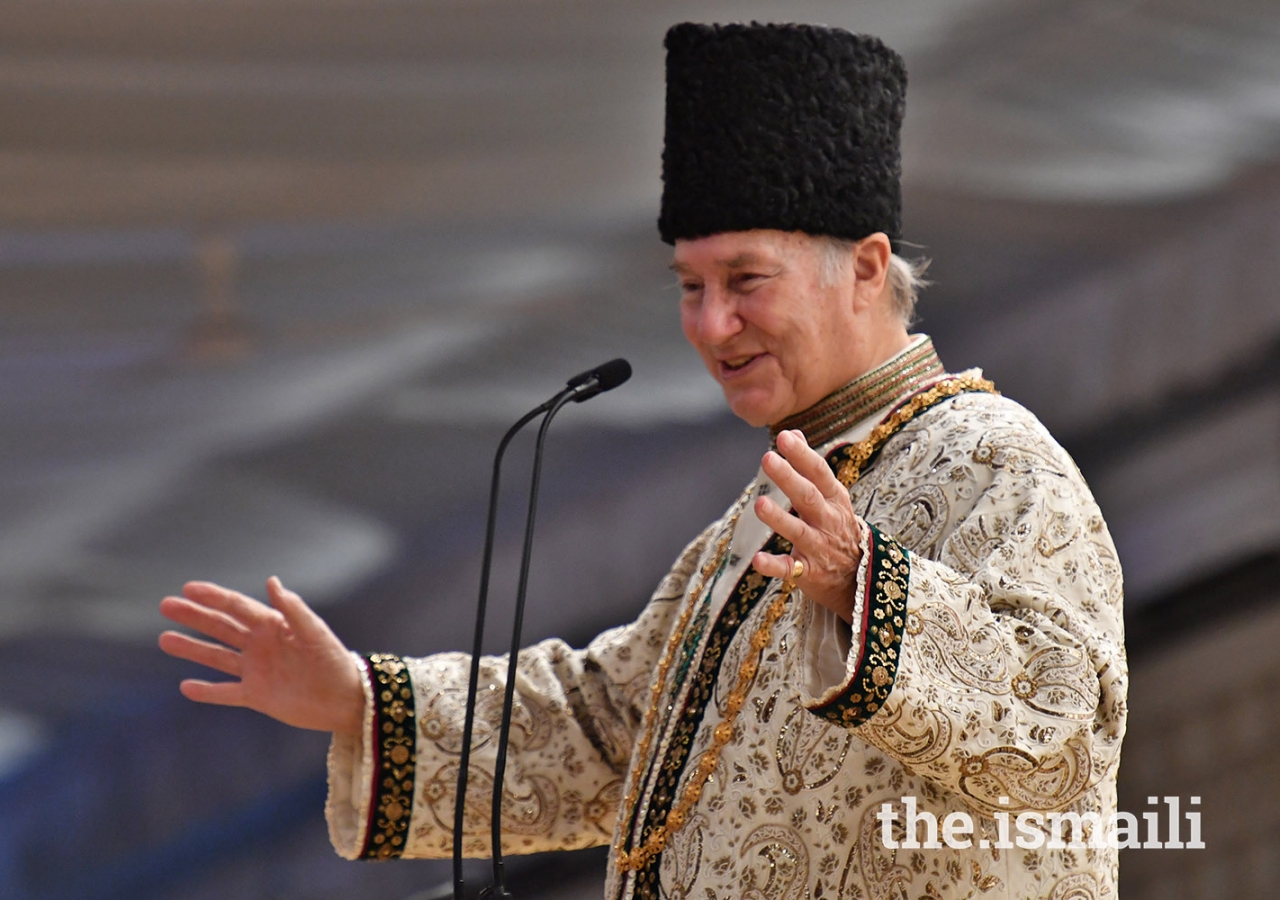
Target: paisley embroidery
(523, 813)
(919, 519)
(1075, 887)
(1008, 681)
(1028, 781)
(781, 869)
(741, 604)
(685, 860)
(1018, 451)
(809, 752)
(1059, 682)
(976, 660)
(915, 735)
(602, 809)
(871, 864)
(530, 723)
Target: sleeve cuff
(351, 778)
(829, 641)
(371, 785)
(871, 665)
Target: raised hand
(286, 661)
(822, 527)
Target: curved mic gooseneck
(499, 889)
(578, 389)
(477, 643)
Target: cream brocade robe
(1006, 679)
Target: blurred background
(275, 275)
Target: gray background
(274, 276)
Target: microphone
(604, 377)
(579, 388)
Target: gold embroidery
(848, 473)
(394, 735)
(859, 454)
(1023, 687)
(710, 758)
(837, 411)
(641, 753)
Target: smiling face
(776, 334)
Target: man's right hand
(288, 663)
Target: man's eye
(690, 287)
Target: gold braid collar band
(854, 459)
(833, 414)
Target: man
(911, 615)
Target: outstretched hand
(822, 527)
(286, 661)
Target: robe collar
(840, 410)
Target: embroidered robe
(986, 676)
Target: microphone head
(613, 373)
(604, 377)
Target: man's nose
(718, 318)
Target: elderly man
(903, 635)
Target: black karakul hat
(792, 127)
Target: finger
(771, 565)
(223, 693)
(291, 606)
(784, 523)
(810, 464)
(806, 499)
(243, 609)
(215, 656)
(197, 617)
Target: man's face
(774, 335)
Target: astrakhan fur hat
(793, 127)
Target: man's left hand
(822, 527)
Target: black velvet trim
(394, 731)
(747, 593)
(883, 618)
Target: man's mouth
(737, 363)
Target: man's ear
(871, 266)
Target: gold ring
(797, 569)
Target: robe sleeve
(576, 713)
(997, 670)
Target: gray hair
(906, 276)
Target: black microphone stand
(499, 890)
(477, 644)
(580, 388)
